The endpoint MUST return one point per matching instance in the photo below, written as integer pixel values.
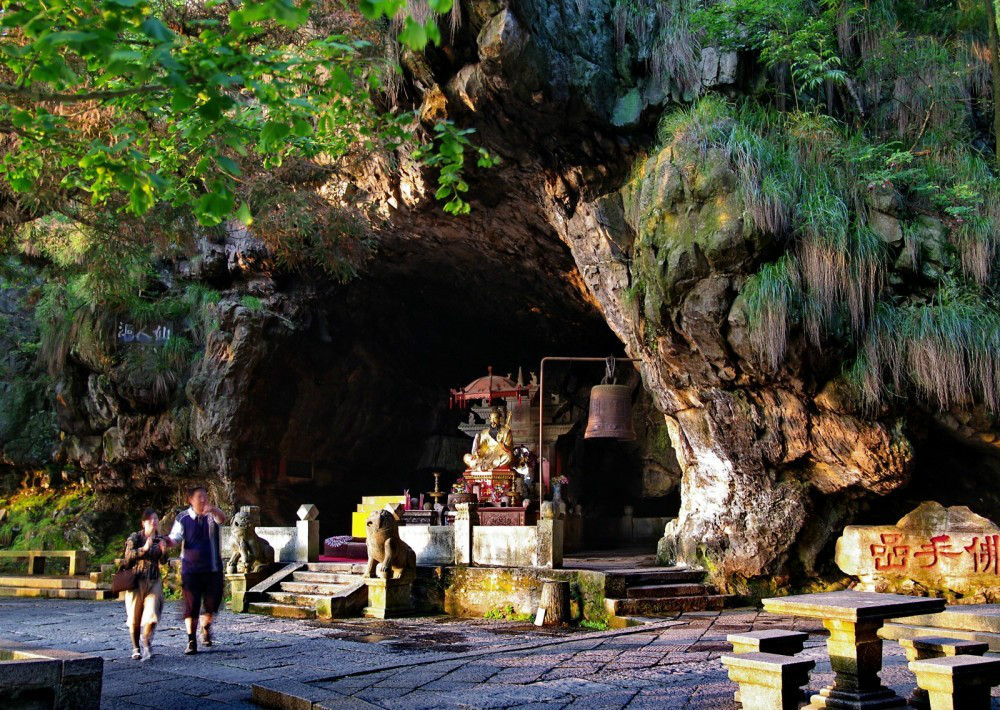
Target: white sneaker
(147, 652)
(135, 654)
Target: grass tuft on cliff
(832, 195)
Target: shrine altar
(489, 486)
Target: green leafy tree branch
(127, 104)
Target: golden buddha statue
(493, 447)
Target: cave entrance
(357, 402)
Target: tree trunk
(555, 601)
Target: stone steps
(41, 582)
(324, 577)
(647, 591)
(323, 590)
(654, 575)
(666, 605)
(50, 593)
(314, 587)
(283, 611)
(631, 594)
(52, 587)
(296, 599)
(337, 567)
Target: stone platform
(33, 678)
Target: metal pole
(541, 408)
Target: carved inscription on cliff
(937, 549)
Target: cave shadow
(358, 403)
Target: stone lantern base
(389, 598)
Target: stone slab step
(893, 632)
(37, 581)
(294, 599)
(616, 581)
(328, 590)
(972, 617)
(283, 611)
(325, 577)
(668, 605)
(659, 591)
(667, 575)
(50, 593)
(337, 567)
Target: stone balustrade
(466, 542)
(298, 543)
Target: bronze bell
(610, 413)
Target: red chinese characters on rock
(938, 547)
(985, 554)
(892, 554)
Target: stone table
(853, 619)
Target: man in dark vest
(197, 529)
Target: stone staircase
(55, 587)
(656, 591)
(317, 590)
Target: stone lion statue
(251, 552)
(388, 556)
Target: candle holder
(437, 494)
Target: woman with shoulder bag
(145, 551)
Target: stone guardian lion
(251, 552)
(388, 556)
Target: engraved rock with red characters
(932, 550)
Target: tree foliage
(790, 33)
(127, 104)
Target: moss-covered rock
(71, 517)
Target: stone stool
(778, 641)
(768, 681)
(925, 647)
(958, 682)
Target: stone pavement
(436, 662)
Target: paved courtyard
(436, 662)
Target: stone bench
(36, 559)
(925, 647)
(768, 681)
(779, 641)
(958, 682)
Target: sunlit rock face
(774, 464)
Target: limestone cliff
(589, 235)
